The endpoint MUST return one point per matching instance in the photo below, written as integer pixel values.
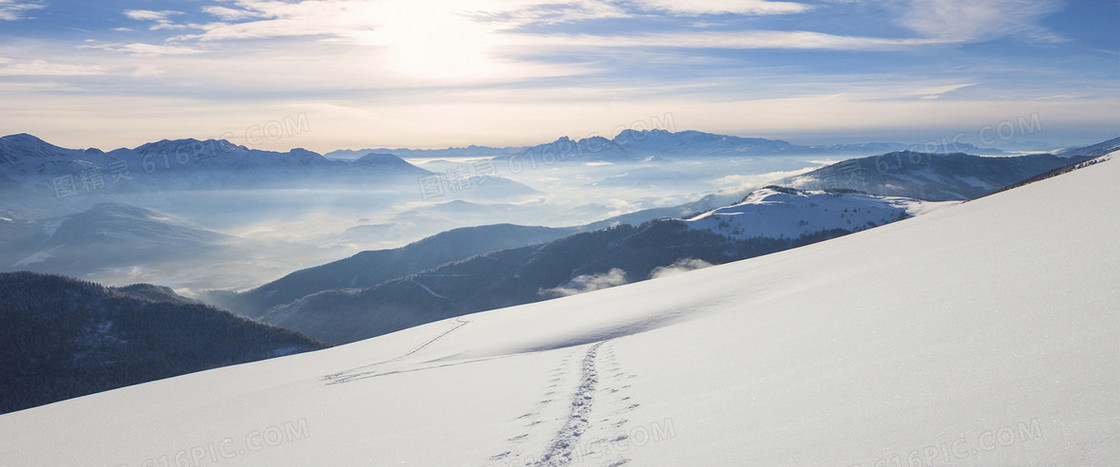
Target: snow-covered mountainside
(778, 212)
(1096, 150)
(929, 176)
(984, 334)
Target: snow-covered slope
(984, 333)
(929, 176)
(778, 212)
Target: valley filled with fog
(262, 227)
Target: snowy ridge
(988, 328)
(777, 212)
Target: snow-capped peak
(780, 212)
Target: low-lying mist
(273, 230)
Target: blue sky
(432, 73)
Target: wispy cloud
(14, 10)
(45, 68)
(972, 20)
(144, 50)
(232, 14)
(715, 7)
(935, 92)
(803, 40)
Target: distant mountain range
(66, 338)
(33, 164)
(41, 175)
(652, 145)
(103, 236)
(642, 145)
(469, 151)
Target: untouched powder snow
(776, 212)
(982, 334)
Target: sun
(430, 39)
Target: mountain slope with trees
(65, 338)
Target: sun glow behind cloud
(430, 39)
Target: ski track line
(348, 375)
(462, 322)
(559, 451)
(514, 455)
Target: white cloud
(515, 13)
(44, 68)
(13, 10)
(737, 184)
(972, 20)
(161, 18)
(232, 14)
(683, 265)
(588, 283)
(150, 15)
(707, 7)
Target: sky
(332, 74)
